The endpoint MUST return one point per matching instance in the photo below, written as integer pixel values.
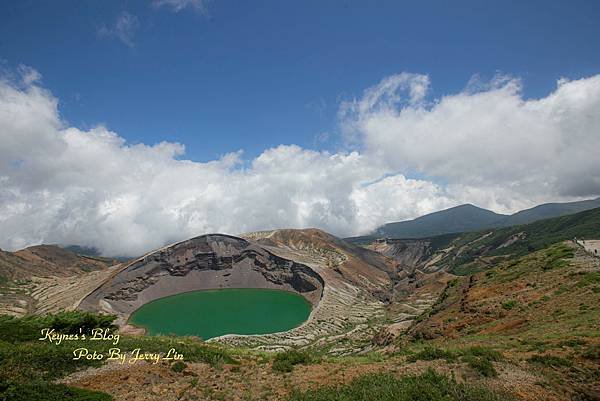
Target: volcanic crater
(213, 261)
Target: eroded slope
(206, 262)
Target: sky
(125, 125)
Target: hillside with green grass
(503, 314)
(476, 250)
(541, 310)
(469, 218)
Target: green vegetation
(482, 366)
(178, 366)
(484, 352)
(531, 237)
(432, 353)
(550, 361)
(285, 361)
(467, 269)
(510, 304)
(429, 386)
(478, 358)
(42, 391)
(28, 364)
(29, 327)
(556, 257)
(589, 279)
(193, 349)
(593, 353)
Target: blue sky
(255, 74)
(350, 115)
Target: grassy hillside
(467, 218)
(542, 310)
(483, 248)
(28, 367)
(457, 219)
(549, 210)
(47, 260)
(522, 322)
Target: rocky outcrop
(363, 268)
(206, 262)
(47, 261)
(25, 276)
(410, 253)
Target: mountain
(94, 253)
(464, 253)
(518, 315)
(457, 219)
(346, 282)
(205, 262)
(45, 261)
(43, 277)
(466, 218)
(549, 210)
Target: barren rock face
(411, 253)
(205, 262)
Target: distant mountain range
(465, 218)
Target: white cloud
(485, 136)
(179, 5)
(61, 184)
(123, 29)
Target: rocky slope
(359, 300)
(465, 253)
(410, 253)
(205, 262)
(47, 278)
(365, 268)
(544, 307)
(46, 261)
(351, 288)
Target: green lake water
(212, 313)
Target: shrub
(589, 278)
(29, 328)
(282, 366)
(550, 361)
(592, 352)
(285, 361)
(429, 386)
(483, 366)
(178, 366)
(192, 349)
(23, 358)
(484, 352)
(432, 353)
(555, 257)
(37, 360)
(508, 305)
(42, 391)
(573, 343)
(72, 322)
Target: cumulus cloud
(179, 5)
(486, 137)
(62, 184)
(123, 28)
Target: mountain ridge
(469, 218)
